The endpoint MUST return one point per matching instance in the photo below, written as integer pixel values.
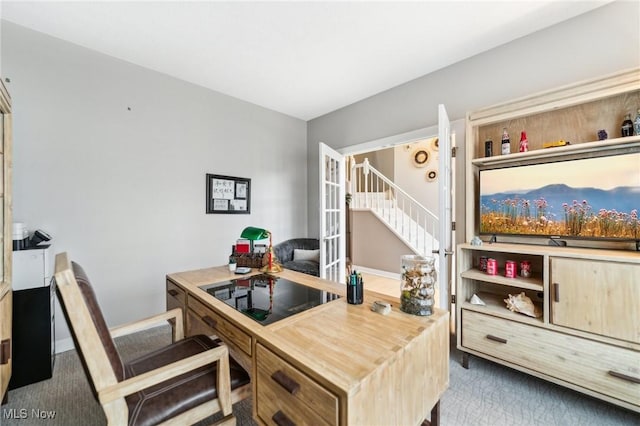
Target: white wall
(597, 43)
(413, 179)
(123, 191)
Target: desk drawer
(176, 297)
(602, 368)
(220, 326)
(283, 392)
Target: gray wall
(124, 191)
(597, 43)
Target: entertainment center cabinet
(587, 335)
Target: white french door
(445, 207)
(332, 214)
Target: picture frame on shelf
(227, 194)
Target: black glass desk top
(267, 298)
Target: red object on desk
(242, 246)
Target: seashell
(475, 300)
(523, 304)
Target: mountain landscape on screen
(607, 208)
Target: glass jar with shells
(417, 286)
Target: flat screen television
(588, 198)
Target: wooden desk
(335, 364)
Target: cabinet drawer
(220, 326)
(602, 368)
(176, 297)
(283, 390)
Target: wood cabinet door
(597, 297)
(6, 341)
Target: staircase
(402, 214)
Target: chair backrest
(284, 250)
(91, 336)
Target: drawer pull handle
(556, 292)
(286, 382)
(496, 339)
(209, 321)
(281, 419)
(624, 377)
(173, 292)
(5, 351)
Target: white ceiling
(304, 59)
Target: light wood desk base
(335, 364)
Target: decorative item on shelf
(269, 258)
(506, 142)
(627, 126)
(525, 269)
(602, 135)
(476, 241)
(482, 263)
(417, 285)
(475, 300)
(488, 148)
(524, 142)
(431, 175)
(510, 269)
(492, 267)
(636, 124)
(555, 144)
(523, 304)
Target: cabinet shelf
(563, 151)
(496, 306)
(532, 283)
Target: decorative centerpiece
(418, 284)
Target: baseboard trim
(64, 345)
(378, 272)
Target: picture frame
(227, 194)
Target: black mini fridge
(33, 335)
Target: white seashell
(522, 304)
(475, 300)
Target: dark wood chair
(182, 383)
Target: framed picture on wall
(228, 194)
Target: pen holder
(354, 292)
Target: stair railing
(409, 219)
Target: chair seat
(158, 403)
(309, 267)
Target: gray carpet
(485, 394)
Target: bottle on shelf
(524, 143)
(636, 123)
(627, 126)
(506, 142)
